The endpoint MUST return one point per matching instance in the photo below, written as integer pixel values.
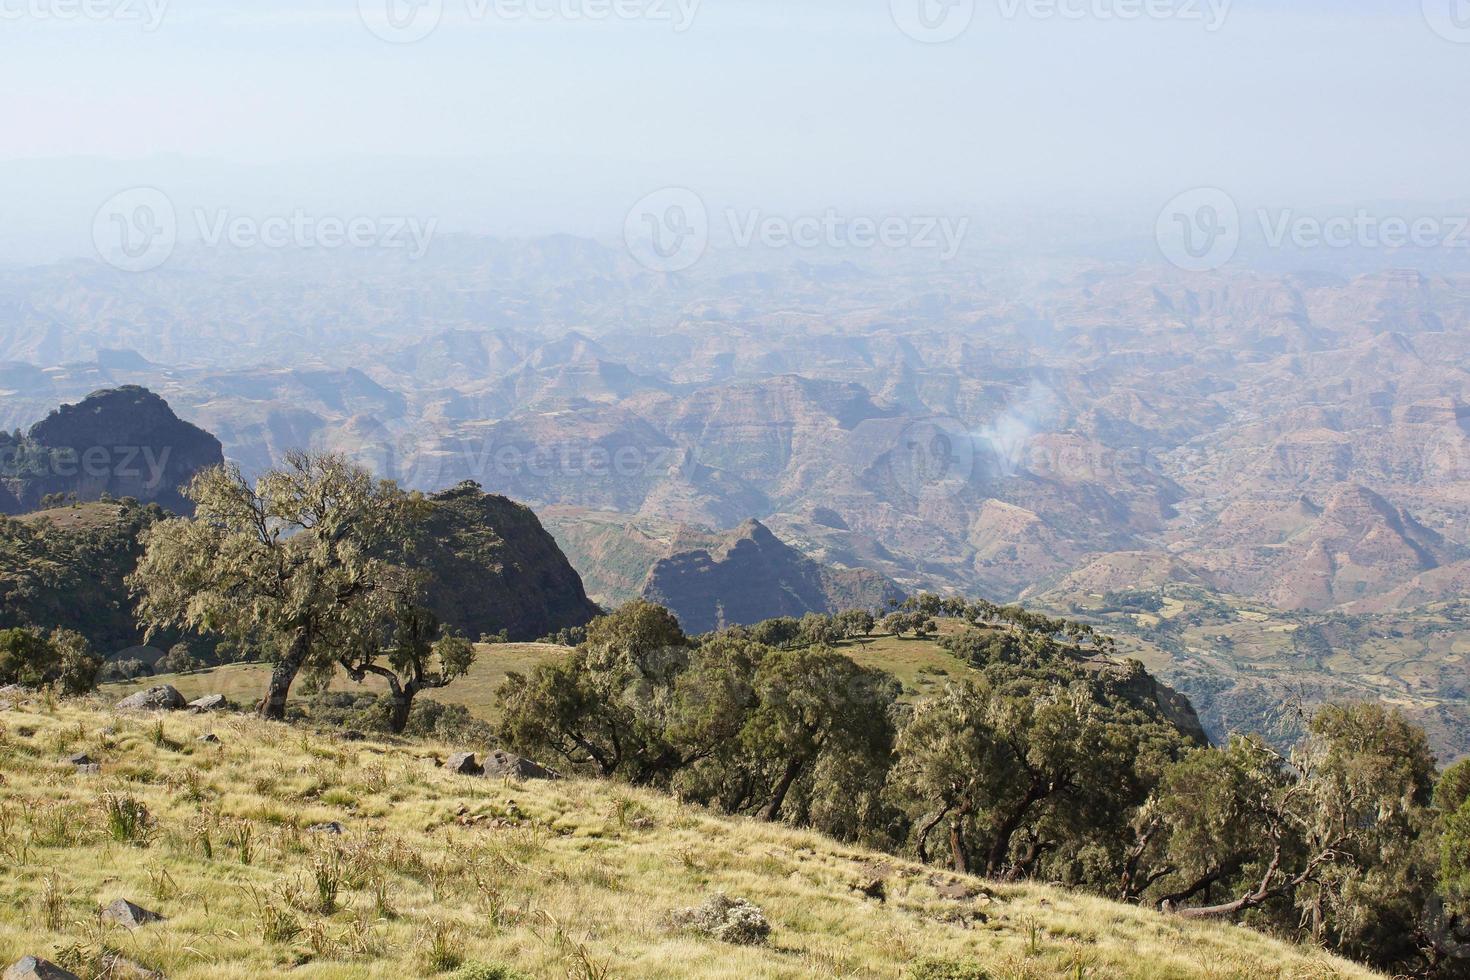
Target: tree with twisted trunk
(304, 563)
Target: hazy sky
(516, 116)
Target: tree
(780, 632)
(813, 703)
(418, 659)
(612, 703)
(946, 754)
(1333, 841)
(1452, 800)
(179, 659)
(1033, 770)
(855, 622)
(63, 659)
(306, 563)
(819, 630)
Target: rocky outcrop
(118, 442)
(505, 765)
(128, 915)
(752, 576)
(35, 968)
(493, 567)
(162, 698)
(464, 764)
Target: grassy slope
(584, 876)
(246, 683)
(81, 516)
(922, 666)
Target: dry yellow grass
(571, 879)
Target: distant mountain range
(1054, 429)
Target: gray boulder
(210, 702)
(331, 827)
(209, 738)
(79, 759)
(514, 766)
(464, 764)
(124, 913)
(34, 968)
(162, 698)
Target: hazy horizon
(523, 117)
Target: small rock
(505, 764)
(162, 698)
(352, 735)
(209, 737)
(34, 968)
(91, 769)
(330, 827)
(80, 759)
(124, 913)
(122, 968)
(210, 702)
(7, 705)
(464, 764)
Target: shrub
(127, 820)
(441, 948)
(728, 920)
(485, 971)
(63, 658)
(934, 969)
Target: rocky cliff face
(122, 442)
(751, 575)
(494, 567)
